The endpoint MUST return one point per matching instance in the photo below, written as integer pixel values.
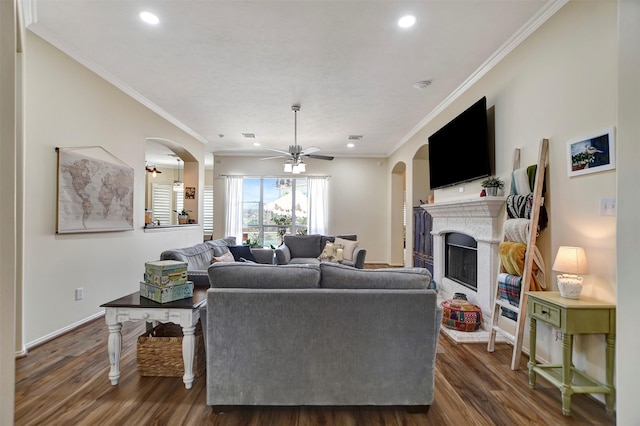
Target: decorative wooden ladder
(521, 309)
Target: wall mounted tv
(460, 151)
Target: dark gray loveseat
(324, 334)
(297, 249)
(198, 257)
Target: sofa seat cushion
(304, 245)
(304, 261)
(335, 275)
(257, 275)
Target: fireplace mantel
(478, 217)
(473, 207)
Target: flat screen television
(460, 152)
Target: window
(164, 197)
(161, 205)
(207, 214)
(273, 207)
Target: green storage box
(168, 293)
(164, 273)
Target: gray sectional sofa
(324, 334)
(199, 256)
(306, 249)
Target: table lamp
(570, 261)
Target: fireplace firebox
(461, 259)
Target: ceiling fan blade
(319, 157)
(310, 150)
(273, 158)
(278, 150)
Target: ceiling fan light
(302, 167)
(288, 168)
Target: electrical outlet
(80, 293)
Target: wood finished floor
(64, 382)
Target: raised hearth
(481, 219)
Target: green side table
(582, 316)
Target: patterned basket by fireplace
(461, 315)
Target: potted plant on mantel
(183, 216)
(491, 185)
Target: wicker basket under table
(159, 352)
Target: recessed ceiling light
(149, 18)
(350, 145)
(406, 21)
(256, 144)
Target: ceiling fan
(294, 163)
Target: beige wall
(68, 105)
(9, 81)
(560, 84)
(357, 195)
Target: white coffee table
(185, 312)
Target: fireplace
(461, 259)
(476, 219)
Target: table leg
(532, 352)
(567, 355)
(610, 356)
(114, 348)
(188, 352)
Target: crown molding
(31, 24)
(546, 12)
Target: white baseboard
(57, 333)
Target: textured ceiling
(223, 68)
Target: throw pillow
(242, 251)
(348, 247)
(227, 257)
(329, 251)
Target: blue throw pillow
(239, 252)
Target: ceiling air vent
(249, 135)
(355, 137)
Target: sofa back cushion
(220, 246)
(335, 275)
(197, 257)
(304, 245)
(257, 275)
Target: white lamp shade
(571, 260)
(288, 168)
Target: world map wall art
(94, 191)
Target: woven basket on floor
(159, 352)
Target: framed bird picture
(591, 154)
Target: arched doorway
(398, 214)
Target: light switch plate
(608, 206)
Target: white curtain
(234, 208)
(318, 208)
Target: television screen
(459, 151)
